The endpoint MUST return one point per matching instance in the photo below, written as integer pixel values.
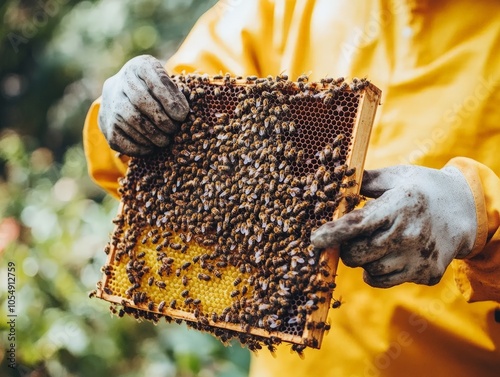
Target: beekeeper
(431, 233)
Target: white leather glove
(420, 220)
(140, 107)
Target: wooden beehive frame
(356, 159)
(369, 97)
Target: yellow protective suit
(438, 66)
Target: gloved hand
(140, 106)
(420, 220)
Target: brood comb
(214, 230)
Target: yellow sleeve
(224, 39)
(104, 164)
(242, 38)
(478, 275)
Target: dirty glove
(140, 107)
(420, 220)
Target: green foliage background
(54, 57)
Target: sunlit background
(54, 222)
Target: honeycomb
(214, 230)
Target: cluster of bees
(222, 218)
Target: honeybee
(324, 272)
(359, 84)
(338, 140)
(307, 195)
(197, 136)
(168, 260)
(196, 312)
(175, 246)
(107, 270)
(336, 154)
(204, 277)
(350, 172)
(330, 188)
(319, 208)
(203, 320)
(328, 98)
(339, 171)
(352, 201)
(347, 184)
(336, 303)
(221, 264)
(214, 317)
(303, 78)
(282, 77)
(237, 281)
(200, 91)
(286, 226)
(160, 306)
(321, 195)
(208, 242)
(326, 80)
(319, 174)
(314, 186)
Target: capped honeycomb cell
(214, 230)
